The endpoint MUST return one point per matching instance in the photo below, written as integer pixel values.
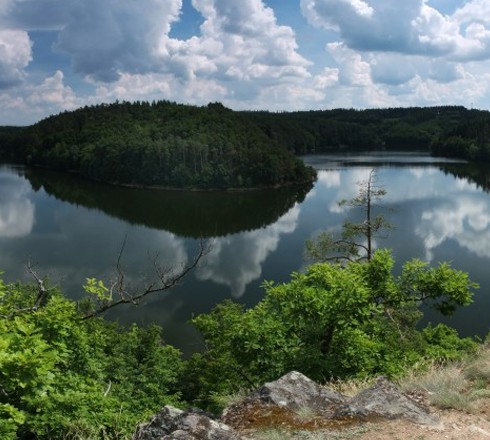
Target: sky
(276, 55)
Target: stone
(296, 391)
(385, 400)
(174, 424)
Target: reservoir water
(71, 229)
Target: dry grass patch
(350, 387)
(445, 387)
(478, 370)
(459, 386)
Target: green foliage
(63, 377)
(354, 320)
(159, 144)
(396, 129)
(470, 139)
(444, 344)
(97, 288)
(164, 143)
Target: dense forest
(159, 144)
(173, 145)
(470, 139)
(411, 129)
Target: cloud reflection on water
(464, 219)
(236, 260)
(16, 209)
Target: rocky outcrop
(296, 391)
(173, 424)
(293, 401)
(385, 400)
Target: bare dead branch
(41, 297)
(165, 282)
(42, 291)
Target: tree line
(412, 128)
(173, 145)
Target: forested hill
(159, 144)
(172, 145)
(415, 128)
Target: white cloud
(379, 53)
(15, 55)
(107, 38)
(240, 45)
(388, 26)
(53, 92)
(34, 101)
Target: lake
(71, 229)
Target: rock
(296, 391)
(385, 400)
(173, 424)
(282, 403)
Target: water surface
(73, 229)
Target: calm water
(73, 229)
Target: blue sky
(58, 55)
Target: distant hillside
(160, 144)
(171, 145)
(470, 139)
(415, 128)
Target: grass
(457, 386)
(223, 401)
(279, 434)
(478, 370)
(351, 387)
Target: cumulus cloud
(372, 25)
(241, 57)
(409, 27)
(34, 101)
(378, 53)
(105, 38)
(239, 40)
(15, 55)
(53, 91)
(241, 45)
(110, 37)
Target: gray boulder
(385, 400)
(296, 391)
(173, 424)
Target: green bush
(65, 377)
(345, 321)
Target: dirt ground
(455, 425)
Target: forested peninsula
(160, 144)
(169, 145)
